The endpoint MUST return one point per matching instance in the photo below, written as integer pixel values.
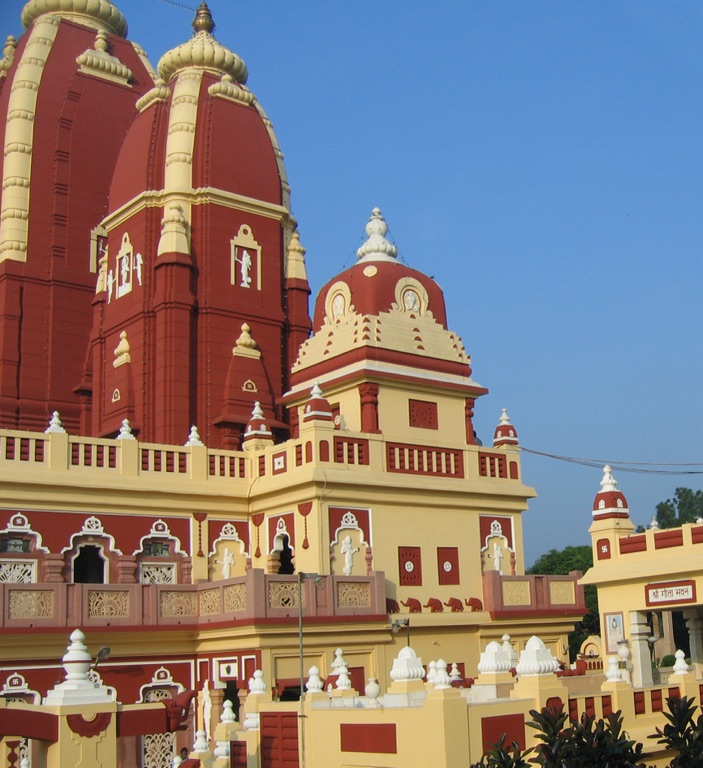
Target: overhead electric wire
(638, 467)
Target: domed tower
(611, 517)
(204, 283)
(68, 88)
(383, 354)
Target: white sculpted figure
(124, 269)
(138, 261)
(110, 281)
(207, 709)
(227, 562)
(498, 557)
(348, 550)
(244, 269)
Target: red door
(279, 739)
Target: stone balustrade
(253, 597)
(61, 452)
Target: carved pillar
(695, 638)
(126, 569)
(52, 568)
(469, 416)
(294, 419)
(641, 657)
(368, 556)
(217, 696)
(368, 393)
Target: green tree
(559, 562)
(685, 507)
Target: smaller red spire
(317, 407)
(609, 502)
(505, 433)
(257, 428)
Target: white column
(641, 657)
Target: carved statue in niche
(228, 559)
(497, 555)
(348, 550)
(348, 543)
(227, 563)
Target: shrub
(682, 734)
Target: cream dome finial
(98, 14)
(376, 247)
(203, 52)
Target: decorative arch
(21, 551)
(497, 552)
(157, 749)
(228, 539)
(160, 557)
(411, 297)
(282, 551)
(92, 534)
(338, 302)
(350, 546)
(15, 688)
(160, 530)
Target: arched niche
(282, 554)
(349, 550)
(496, 553)
(87, 549)
(228, 557)
(160, 558)
(21, 552)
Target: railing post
(58, 451)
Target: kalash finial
(203, 20)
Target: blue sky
(543, 160)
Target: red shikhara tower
(170, 289)
(67, 94)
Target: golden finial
(203, 20)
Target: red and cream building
(178, 440)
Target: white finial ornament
(407, 666)
(257, 411)
(504, 418)
(508, 648)
(376, 247)
(442, 681)
(654, 523)
(608, 483)
(454, 674)
(343, 681)
(536, 659)
(680, 667)
(256, 683)
(194, 437)
(316, 392)
(314, 683)
(613, 673)
(431, 671)
(227, 715)
(55, 424)
(201, 744)
(494, 659)
(78, 688)
(338, 662)
(125, 431)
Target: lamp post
(315, 578)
